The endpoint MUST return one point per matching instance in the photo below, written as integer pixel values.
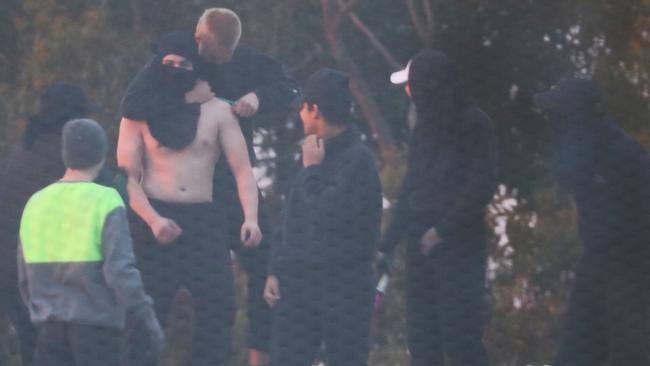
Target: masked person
(608, 175)
(31, 165)
(321, 274)
(169, 144)
(451, 176)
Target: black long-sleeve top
(252, 71)
(248, 71)
(332, 215)
(450, 189)
(614, 201)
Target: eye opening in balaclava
(157, 93)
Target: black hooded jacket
(451, 173)
(607, 172)
(333, 211)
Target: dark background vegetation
(506, 50)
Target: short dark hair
(84, 144)
(329, 89)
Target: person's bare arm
(234, 146)
(130, 150)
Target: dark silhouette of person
(608, 175)
(451, 176)
(31, 165)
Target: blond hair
(224, 24)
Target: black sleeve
(274, 87)
(400, 218)
(278, 249)
(478, 148)
(625, 164)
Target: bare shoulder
(131, 127)
(218, 110)
(131, 124)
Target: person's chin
(224, 60)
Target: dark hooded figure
(30, 166)
(608, 174)
(450, 178)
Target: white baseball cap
(401, 76)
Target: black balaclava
(63, 101)
(575, 115)
(436, 93)
(157, 94)
(439, 103)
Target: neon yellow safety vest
(63, 222)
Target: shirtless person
(170, 158)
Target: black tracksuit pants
(198, 260)
(327, 306)
(446, 303)
(18, 314)
(607, 319)
(67, 344)
(254, 262)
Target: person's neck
(75, 175)
(329, 131)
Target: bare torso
(184, 175)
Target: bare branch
(415, 19)
(317, 51)
(358, 86)
(374, 41)
(346, 6)
(428, 10)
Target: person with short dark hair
(608, 175)
(76, 267)
(451, 176)
(321, 271)
(32, 164)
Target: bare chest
(204, 146)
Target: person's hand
(429, 240)
(246, 106)
(165, 230)
(272, 290)
(251, 235)
(313, 151)
(200, 94)
(384, 263)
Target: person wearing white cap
(451, 176)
